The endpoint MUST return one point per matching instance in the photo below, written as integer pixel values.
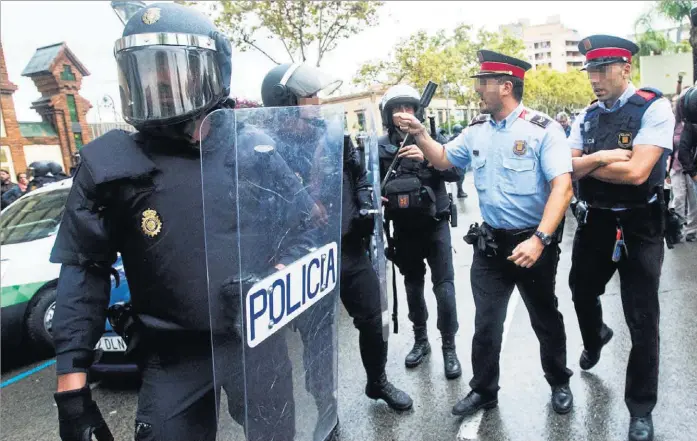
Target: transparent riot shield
(369, 141)
(272, 181)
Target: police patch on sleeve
(151, 224)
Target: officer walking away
(297, 85)
(522, 166)
(686, 154)
(128, 197)
(620, 144)
(457, 129)
(419, 208)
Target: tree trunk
(693, 43)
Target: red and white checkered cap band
(609, 52)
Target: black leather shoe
(641, 429)
(474, 402)
(461, 194)
(452, 364)
(384, 390)
(562, 399)
(591, 358)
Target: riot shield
(272, 181)
(377, 245)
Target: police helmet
(173, 66)
(55, 168)
(457, 129)
(397, 95)
(38, 169)
(688, 105)
(285, 83)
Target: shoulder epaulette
(649, 93)
(481, 118)
(536, 118)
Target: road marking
(469, 428)
(24, 375)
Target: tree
(448, 58)
(676, 11)
(305, 28)
(551, 92)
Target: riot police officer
(620, 144)
(418, 207)
(40, 172)
(461, 193)
(299, 84)
(140, 196)
(522, 167)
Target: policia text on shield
(522, 166)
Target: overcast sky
(27, 25)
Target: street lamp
(126, 9)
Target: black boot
(461, 193)
(641, 429)
(591, 358)
(452, 364)
(421, 347)
(381, 389)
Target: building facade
(63, 128)
(358, 108)
(551, 44)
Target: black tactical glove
(79, 417)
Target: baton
(424, 102)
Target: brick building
(57, 74)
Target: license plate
(111, 344)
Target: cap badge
(587, 44)
(151, 16)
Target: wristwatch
(545, 238)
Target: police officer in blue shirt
(619, 146)
(522, 166)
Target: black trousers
(360, 294)
(493, 280)
(640, 272)
(179, 396)
(461, 180)
(431, 242)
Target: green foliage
(448, 58)
(307, 29)
(551, 92)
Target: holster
(126, 324)
(453, 211)
(482, 238)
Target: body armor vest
(603, 130)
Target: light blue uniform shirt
(513, 162)
(657, 125)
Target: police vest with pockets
(407, 193)
(603, 130)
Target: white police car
(28, 280)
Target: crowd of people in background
(41, 172)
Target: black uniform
(422, 233)
(360, 295)
(144, 200)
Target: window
(67, 73)
(72, 108)
(34, 217)
(78, 140)
(361, 120)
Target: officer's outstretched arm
(84, 247)
(432, 150)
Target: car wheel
(39, 321)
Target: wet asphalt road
(27, 410)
